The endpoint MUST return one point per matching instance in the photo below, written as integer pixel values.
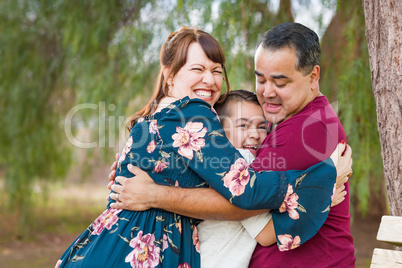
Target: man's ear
(314, 78)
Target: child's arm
(267, 235)
(261, 228)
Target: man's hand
(135, 193)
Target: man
(287, 70)
(307, 131)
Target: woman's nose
(208, 78)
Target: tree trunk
(384, 39)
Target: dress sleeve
(195, 134)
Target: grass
(52, 226)
(55, 222)
(64, 210)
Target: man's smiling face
(282, 90)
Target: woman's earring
(170, 86)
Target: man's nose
(269, 90)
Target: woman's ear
(166, 74)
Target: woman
(177, 138)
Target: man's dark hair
(296, 36)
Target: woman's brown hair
(173, 54)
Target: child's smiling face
(246, 127)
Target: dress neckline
(167, 108)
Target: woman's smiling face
(199, 78)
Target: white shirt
(230, 243)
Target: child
(231, 243)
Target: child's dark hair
(223, 109)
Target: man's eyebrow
(279, 76)
(258, 74)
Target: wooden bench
(390, 231)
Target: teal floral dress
(184, 146)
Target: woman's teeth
(203, 94)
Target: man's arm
(141, 193)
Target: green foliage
(357, 107)
(56, 55)
(237, 28)
(31, 90)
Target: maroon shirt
(303, 140)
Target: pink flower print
(184, 265)
(213, 110)
(145, 254)
(140, 119)
(290, 204)
(188, 139)
(106, 220)
(178, 225)
(165, 244)
(176, 184)
(288, 243)
(58, 263)
(128, 145)
(160, 166)
(151, 147)
(127, 148)
(238, 177)
(196, 240)
(153, 127)
(121, 158)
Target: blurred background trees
(56, 55)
